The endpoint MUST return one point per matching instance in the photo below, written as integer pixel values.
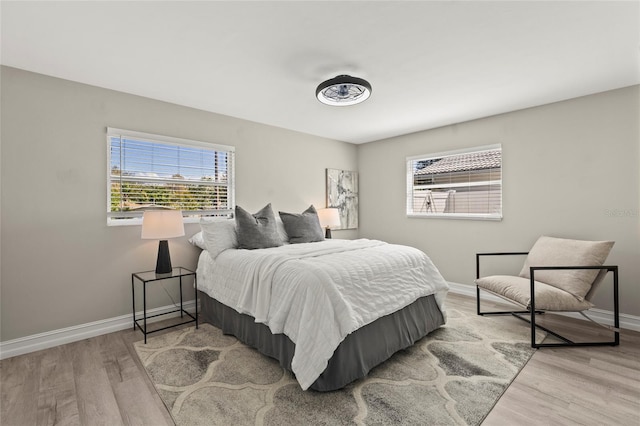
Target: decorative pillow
(550, 251)
(281, 231)
(198, 240)
(258, 230)
(219, 235)
(304, 227)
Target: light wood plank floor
(100, 381)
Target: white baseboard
(53, 338)
(629, 322)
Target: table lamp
(161, 225)
(329, 217)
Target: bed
(329, 311)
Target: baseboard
(49, 339)
(53, 338)
(628, 322)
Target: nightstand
(150, 277)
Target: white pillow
(281, 231)
(219, 235)
(198, 240)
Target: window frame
(192, 216)
(409, 196)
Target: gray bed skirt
(358, 353)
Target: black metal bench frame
(532, 312)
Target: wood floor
(100, 381)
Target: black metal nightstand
(151, 276)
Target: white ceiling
(431, 63)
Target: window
(150, 170)
(464, 184)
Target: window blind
(158, 171)
(456, 184)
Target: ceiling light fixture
(343, 90)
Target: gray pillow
(258, 230)
(304, 227)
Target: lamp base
(327, 233)
(163, 264)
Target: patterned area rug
(454, 376)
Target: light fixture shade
(329, 217)
(343, 90)
(162, 224)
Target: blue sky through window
(136, 157)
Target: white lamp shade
(329, 217)
(162, 224)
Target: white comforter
(318, 293)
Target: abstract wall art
(342, 193)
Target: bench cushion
(518, 289)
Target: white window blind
(147, 170)
(465, 184)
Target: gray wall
(570, 169)
(61, 265)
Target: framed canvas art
(342, 193)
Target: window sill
(457, 216)
(138, 221)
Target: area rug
(454, 376)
